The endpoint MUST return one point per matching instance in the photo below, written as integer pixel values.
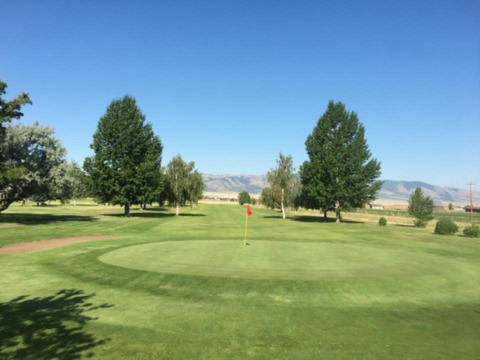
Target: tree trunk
(324, 216)
(178, 210)
(127, 210)
(282, 205)
(339, 216)
(337, 211)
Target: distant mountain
(253, 184)
(441, 195)
(392, 191)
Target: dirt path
(27, 247)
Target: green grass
(184, 287)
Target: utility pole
(471, 199)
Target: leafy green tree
(244, 198)
(420, 207)
(340, 173)
(71, 183)
(283, 183)
(268, 199)
(9, 110)
(195, 187)
(37, 160)
(126, 166)
(183, 182)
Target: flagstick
(246, 225)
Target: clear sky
(231, 84)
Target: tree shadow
(35, 219)
(321, 219)
(153, 214)
(47, 328)
(191, 215)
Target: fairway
(159, 286)
(273, 260)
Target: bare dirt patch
(27, 247)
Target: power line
(471, 199)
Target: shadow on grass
(321, 219)
(49, 327)
(154, 213)
(405, 226)
(191, 215)
(35, 219)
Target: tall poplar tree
(340, 173)
(183, 183)
(283, 185)
(127, 159)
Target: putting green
(274, 259)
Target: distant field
(167, 287)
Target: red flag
(249, 211)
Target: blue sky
(231, 84)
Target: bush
(472, 231)
(382, 221)
(445, 227)
(420, 223)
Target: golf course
(84, 281)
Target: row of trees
(339, 175)
(124, 170)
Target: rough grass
(308, 289)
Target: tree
(9, 110)
(126, 166)
(36, 159)
(244, 198)
(283, 185)
(183, 182)
(421, 207)
(340, 174)
(71, 185)
(195, 187)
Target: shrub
(382, 221)
(472, 231)
(420, 223)
(445, 227)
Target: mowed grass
(186, 288)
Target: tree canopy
(35, 164)
(340, 173)
(183, 183)
(244, 198)
(421, 207)
(283, 185)
(126, 166)
(9, 110)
